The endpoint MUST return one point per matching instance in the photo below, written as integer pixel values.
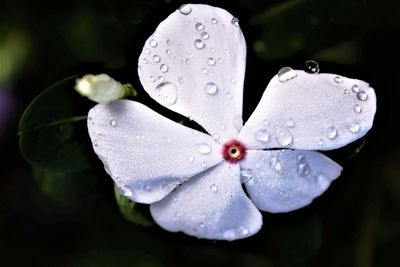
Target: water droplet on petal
(211, 61)
(354, 127)
(275, 163)
(180, 79)
(355, 88)
(219, 60)
(303, 168)
(190, 159)
(199, 26)
(246, 175)
(212, 49)
(168, 51)
(156, 58)
(283, 136)
(204, 71)
(229, 95)
(322, 181)
(113, 122)
(185, 9)
(203, 148)
(164, 68)
(145, 61)
(262, 135)
(146, 51)
(346, 91)
(211, 88)
(167, 93)
(362, 96)
(338, 79)
(168, 42)
(286, 74)
(125, 191)
(238, 122)
(204, 35)
(290, 123)
(199, 44)
(235, 22)
(320, 142)
(160, 79)
(357, 108)
(233, 80)
(214, 21)
(331, 132)
(214, 188)
(242, 230)
(187, 61)
(312, 67)
(230, 234)
(153, 43)
(180, 46)
(152, 79)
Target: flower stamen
(233, 151)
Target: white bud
(100, 88)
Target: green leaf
(53, 132)
(129, 211)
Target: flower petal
(194, 64)
(310, 111)
(145, 153)
(211, 205)
(286, 180)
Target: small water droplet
(204, 165)
(95, 143)
(266, 122)
(290, 123)
(152, 79)
(214, 21)
(204, 35)
(262, 135)
(283, 136)
(204, 148)
(211, 61)
(275, 163)
(199, 44)
(311, 66)
(246, 175)
(160, 79)
(168, 51)
(338, 79)
(188, 61)
(303, 168)
(153, 43)
(355, 88)
(199, 26)
(212, 49)
(168, 42)
(180, 46)
(214, 188)
(167, 93)
(286, 74)
(238, 122)
(362, 96)
(180, 79)
(346, 91)
(354, 127)
(204, 71)
(113, 122)
(320, 142)
(229, 95)
(125, 191)
(163, 68)
(242, 230)
(211, 88)
(322, 181)
(220, 60)
(185, 9)
(146, 51)
(331, 132)
(226, 51)
(145, 61)
(169, 140)
(233, 80)
(235, 22)
(190, 158)
(215, 136)
(202, 225)
(357, 108)
(156, 58)
(99, 135)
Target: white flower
(100, 88)
(194, 64)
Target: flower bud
(100, 88)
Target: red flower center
(233, 151)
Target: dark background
(54, 222)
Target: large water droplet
(204, 148)
(283, 136)
(362, 96)
(211, 61)
(246, 175)
(199, 44)
(214, 188)
(286, 74)
(156, 58)
(214, 21)
(167, 93)
(357, 108)
(353, 127)
(204, 35)
(163, 68)
(303, 168)
(211, 88)
(262, 135)
(238, 122)
(338, 79)
(230, 234)
(235, 22)
(153, 43)
(331, 132)
(312, 66)
(185, 9)
(199, 26)
(113, 122)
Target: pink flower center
(234, 151)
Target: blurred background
(72, 219)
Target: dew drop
(199, 44)
(152, 79)
(180, 79)
(203, 148)
(164, 68)
(229, 95)
(145, 61)
(188, 61)
(211, 88)
(322, 181)
(331, 132)
(185, 9)
(214, 21)
(219, 60)
(362, 96)
(204, 35)
(204, 71)
(190, 159)
(156, 58)
(346, 91)
(199, 26)
(233, 80)
(146, 51)
(246, 175)
(99, 135)
(113, 122)
(168, 51)
(212, 49)
(320, 142)
(290, 123)
(167, 93)
(180, 46)
(357, 108)
(262, 135)
(286, 74)
(303, 168)
(235, 22)
(338, 79)
(312, 67)
(242, 230)
(160, 79)
(214, 188)
(211, 61)
(153, 43)
(355, 88)
(238, 122)
(168, 42)
(230, 234)
(226, 51)
(275, 163)
(283, 136)
(354, 127)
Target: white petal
(211, 205)
(146, 154)
(286, 180)
(311, 111)
(194, 64)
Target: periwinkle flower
(194, 64)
